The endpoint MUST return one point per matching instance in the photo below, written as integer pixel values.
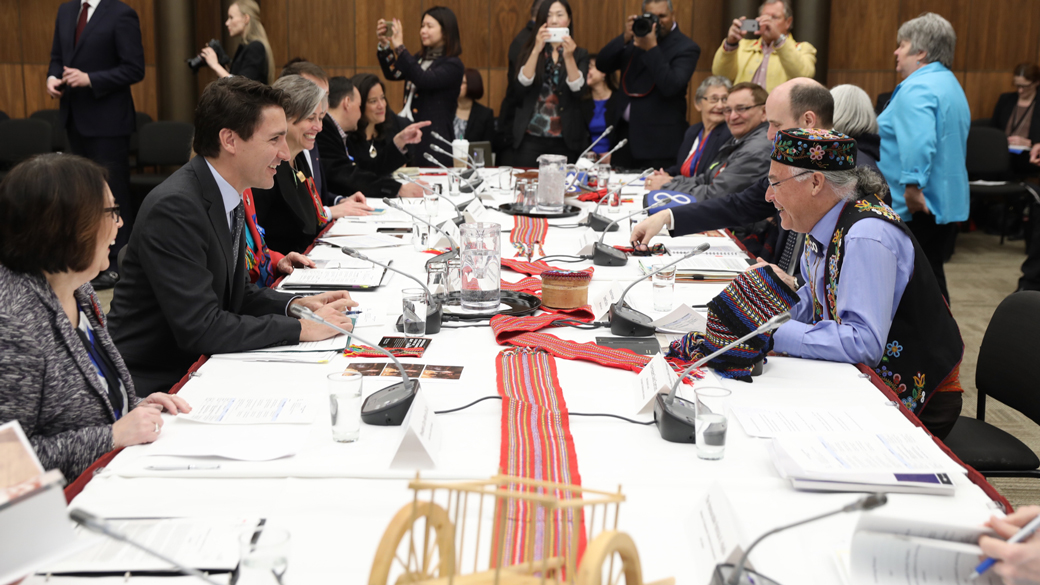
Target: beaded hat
(814, 149)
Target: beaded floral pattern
(815, 149)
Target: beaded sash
(536, 444)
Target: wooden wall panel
(146, 94)
(983, 88)
(275, 16)
(708, 30)
(11, 41)
(37, 26)
(863, 46)
(313, 36)
(955, 11)
(36, 96)
(1002, 33)
(367, 12)
(596, 22)
(146, 15)
(508, 18)
(12, 92)
(474, 18)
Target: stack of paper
(333, 279)
(907, 462)
(723, 259)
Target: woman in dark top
(372, 144)
(548, 83)
(1016, 115)
(61, 376)
(433, 79)
(253, 59)
(599, 107)
(474, 121)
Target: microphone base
(675, 421)
(627, 322)
(434, 316)
(604, 255)
(599, 223)
(389, 406)
(724, 572)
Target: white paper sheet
(337, 343)
(239, 442)
(853, 454)
(366, 241)
(770, 422)
(250, 410)
(682, 319)
(302, 279)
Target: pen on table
(1019, 536)
(181, 467)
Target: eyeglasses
(1024, 86)
(774, 184)
(715, 99)
(114, 211)
(739, 109)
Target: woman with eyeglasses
(61, 376)
(1016, 114)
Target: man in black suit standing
(96, 56)
(185, 290)
(655, 71)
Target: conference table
(336, 499)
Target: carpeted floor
(980, 275)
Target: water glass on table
(664, 287)
(505, 178)
(413, 311)
(478, 159)
(711, 421)
(421, 232)
(481, 266)
(345, 405)
(432, 204)
(264, 556)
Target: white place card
(421, 439)
(656, 378)
(453, 232)
(475, 212)
(601, 304)
(586, 240)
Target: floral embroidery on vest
(832, 275)
(880, 209)
(895, 381)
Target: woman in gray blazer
(61, 376)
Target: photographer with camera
(253, 59)
(773, 57)
(656, 61)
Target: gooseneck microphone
(406, 179)
(98, 525)
(604, 255)
(452, 145)
(599, 223)
(726, 574)
(595, 142)
(616, 148)
(434, 313)
(388, 406)
(391, 203)
(469, 184)
(675, 416)
(628, 322)
(436, 148)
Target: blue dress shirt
(924, 141)
(879, 259)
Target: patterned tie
(238, 225)
(788, 252)
(82, 22)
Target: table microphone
(386, 407)
(459, 220)
(628, 322)
(599, 223)
(453, 246)
(595, 142)
(452, 145)
(675, 416)
(604, 255)
(727, 574)
(468, 184)
(436, 148)
(434, 312)
(617, 147)
(98, 525)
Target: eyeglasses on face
(114, 211)
(715, 99)
(740, 109)
(773, 185)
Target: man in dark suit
(185, 290)
(96, 56)
(655, 71)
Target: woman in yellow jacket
(769, 60)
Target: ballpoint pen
(181, 467)
(1019, 536)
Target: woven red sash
(521, 332)
(536, 444)
(528, 235)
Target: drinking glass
(345, 405)
(664, 288)
(505, 178)
(264, 557)
(421, 232)
(413, 308)
(437, 278)
(481, 266)
(478, 158)
(432, 203)
(711, 421)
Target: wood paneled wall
(992, 37)
(25, 53)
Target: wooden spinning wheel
(430, 553)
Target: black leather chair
(988, 160)
(59, 138)
(1005, 372)
(21, 139)
(4, 116)
(161, 144)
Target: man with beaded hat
(870, 296)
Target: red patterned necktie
(82, 22)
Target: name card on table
(717, 536)
(421, 440)
(475, 212)
(586, 240)
(452, 230)
(601, 304)
(656, 378)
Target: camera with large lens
(196, 62)
(645, 23)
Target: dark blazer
(507, 111)
(716, 139)
(286, 211)
(436, 94)
(657, 119)
(111, 53)
(250, 62)
(47, 381)
(575, 130)
(181, 294)
(481, 124)
(1006, 104)
(343, 177)
(613, 114)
